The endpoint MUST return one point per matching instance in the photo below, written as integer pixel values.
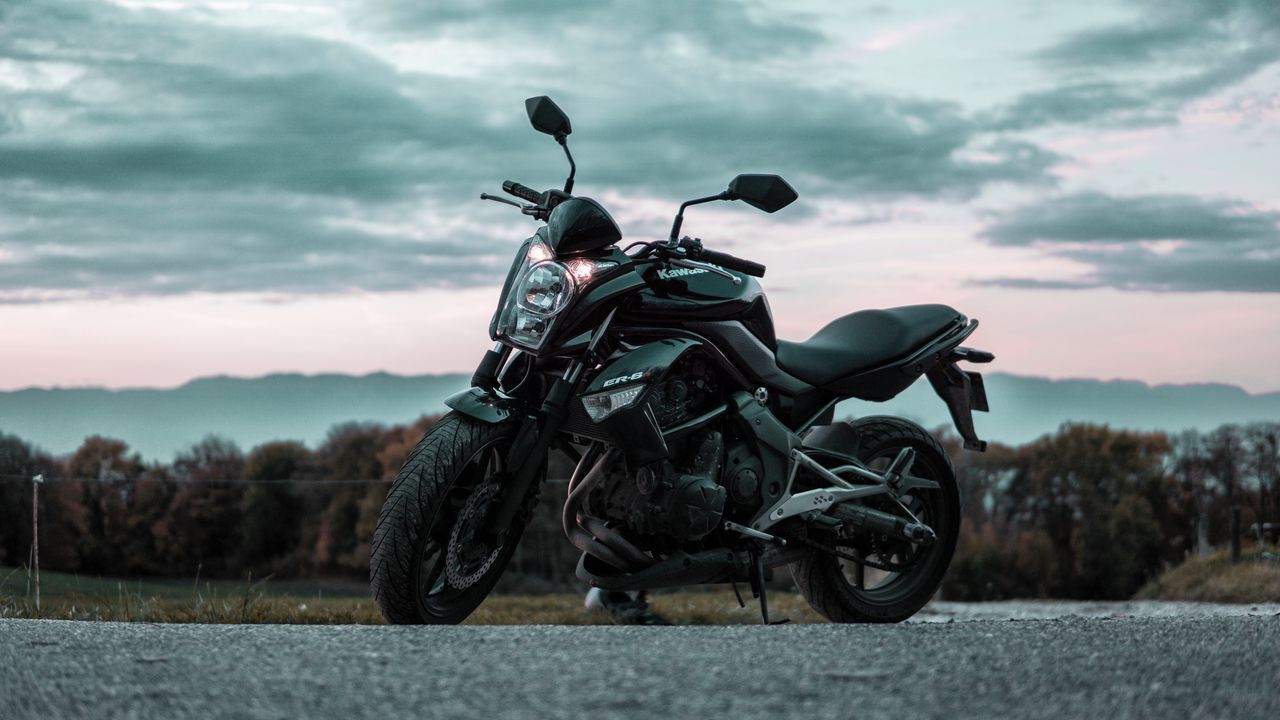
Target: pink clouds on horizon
(1157, 338)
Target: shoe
(626, 608)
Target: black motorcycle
(706, 449)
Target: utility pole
(35, 532)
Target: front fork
(530, 446)
(535, 436)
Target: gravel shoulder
(1202, 666)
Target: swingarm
(893, 481)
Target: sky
(240, 187)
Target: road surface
(1150, 667)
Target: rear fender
(963, 391)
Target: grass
(71, 597)
(1216, 579)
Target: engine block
(682, 504)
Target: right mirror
(769, 193)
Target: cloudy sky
(196, 187)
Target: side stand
(758, 589)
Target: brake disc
(467, 559)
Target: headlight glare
(583, 269)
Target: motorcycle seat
(863, 341)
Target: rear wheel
(847, 591)
(428, 564)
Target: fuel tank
(674, 294)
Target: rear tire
(408, 564)
(821, 577)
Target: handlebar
(725, 260)
(729, 262)
(521, 191)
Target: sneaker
(626, 608)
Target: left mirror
(547, 117)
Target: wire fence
(231, 527)
(201, 480)
(222, 481)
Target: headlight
(543, 288)
(537, 289)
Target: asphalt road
(1157, 667)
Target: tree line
(1094, 513)
(281, 509)
(1086, 512)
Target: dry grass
(685, 608)
(67, 597)
(1217, 579)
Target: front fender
(489, 405)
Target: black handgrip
(729, 262)
(521, 191)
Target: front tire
(425, 566)
(839, 589)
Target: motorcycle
(705, 448)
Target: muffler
(862, 519)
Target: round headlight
(546, 288)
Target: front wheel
(428, 564)
(846, 591)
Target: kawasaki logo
(679, 272)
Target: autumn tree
(201, 531)
(92, 507)
(271, 511)
(349, 464)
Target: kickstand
(758, 589)
(737, 594)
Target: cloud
(186, 158)
(722, 28)
(182, 242)
(153, 152)
(1093, 217)
(1142, 71)
(1148, 242)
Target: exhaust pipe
(860, 518)
(591, 535)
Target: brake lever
(495, 198)
(695, 265)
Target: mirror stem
(675, 226)
(573, 168)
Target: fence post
(35, 532)
(1235, 534)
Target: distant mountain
(157, 423)
(1024, 408)
(304, 407)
